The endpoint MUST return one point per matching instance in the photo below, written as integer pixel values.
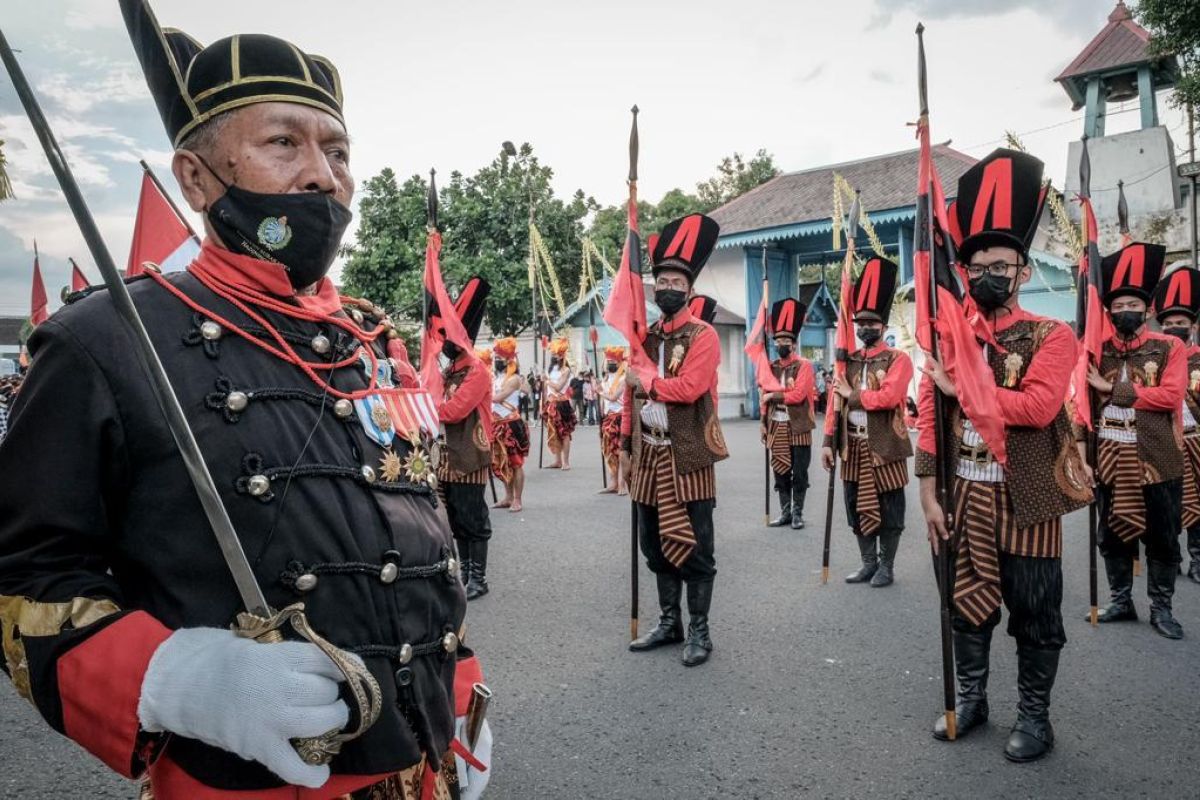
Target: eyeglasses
(999, 269)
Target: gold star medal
(418, 468)
(389, 466)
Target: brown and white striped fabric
(986, 526)
(1119, 468)
(643, 486)
(1191, 480)
(871, 481)
(445, 474)
(781, 438)
(655, 484)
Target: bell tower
(1116, 67)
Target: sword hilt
(368, 697)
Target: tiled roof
(886, 182)
(1122, 41)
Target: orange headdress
(614, 353)
(506, 349)
(559, 347)
(484, 354)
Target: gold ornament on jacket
(676, 358)
(1194, 385)
(1151, 370)
(1012, 369)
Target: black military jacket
(95, 504)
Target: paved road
(812, 691)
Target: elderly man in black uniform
(115, 602)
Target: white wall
(1144, 159)
(724, 279)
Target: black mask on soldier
(785, 350)
(300, 230)
(869, 336)
(451, 350)
(610, 367)
(1181, 332)
(1128, 322)
(669, 301)
(991, 291)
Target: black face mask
(451, 350)
(785, 350)
(869, 336)
(301, 230)
(991, 291)
(1183, 333)
(610, 367)
(499, 366)
(1128, 322)
(669, 301)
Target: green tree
(736, 176)
(1174, 27)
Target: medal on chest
(372, 412)
(1151, 370)
(1194, 381)
(1012, 369)
(677, 353)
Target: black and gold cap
(191, 83)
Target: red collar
(1126, 345)
(791, 358)
(879, 347)
(683, 317)
(235, 269)
(1005, 321)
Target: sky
(444, 84)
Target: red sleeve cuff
(100, 683)
(467, 673)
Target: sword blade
(189, 450)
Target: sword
(259, 621)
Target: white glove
(245, 697)
(472, 782)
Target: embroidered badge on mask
(274, 233)
(372, 413)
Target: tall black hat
(191, 83)
(703, 307)
(1178, 293)
(875, 290)
(1132, 270)
(999, 203)
(471, 303)
(685, 245)
(787, 317)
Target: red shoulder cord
(241, 297)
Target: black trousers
(892, 506)
(797, 478)
(1164, 514)
(468, 511)
(1032, 589)
(702, 565)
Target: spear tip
(634, 110)
(920, 28)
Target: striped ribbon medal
(372, 410)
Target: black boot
(478, 586)
(699, 645)
(785, 511)
(798, 508)
(464, 560)
(1033, 735)
(1120, 587)
(889, 542)
(1160, 585)
(669, 629)
(1193, 539)
(870, 563)
(972, 653)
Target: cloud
(1067, 14)
(115, 86)
(883, 76)
(811, 75)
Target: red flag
(442, 323)
(78, 281)
(39, 310)
(626, 307)
(160, 236)
(1096, 326)
(756, 349)
(959, 350)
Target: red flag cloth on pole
(1097, 328)
(959, 350)
(756, 349)
(844, 338)
(625, 310)
(159, 235)
(442, 324)
(78, 281)
(39, 310)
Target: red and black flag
(1092, 324)
(441, 321)
(934, 271)
(79, 281)
(844, 337)
(39, 304)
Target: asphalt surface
(812, 691)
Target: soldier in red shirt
(874, 437)
(1142, 381)
(787, 418)
(673, 438)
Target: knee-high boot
(464, 560)
(1033, 735)
(972, 658)
(889, 542)
(1120, 588)
(870, 562)
(1193, 546)
(798, 507)
(669, 629)
(699, 645)
(1160, 585)
(785, 510)
(478, 585)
